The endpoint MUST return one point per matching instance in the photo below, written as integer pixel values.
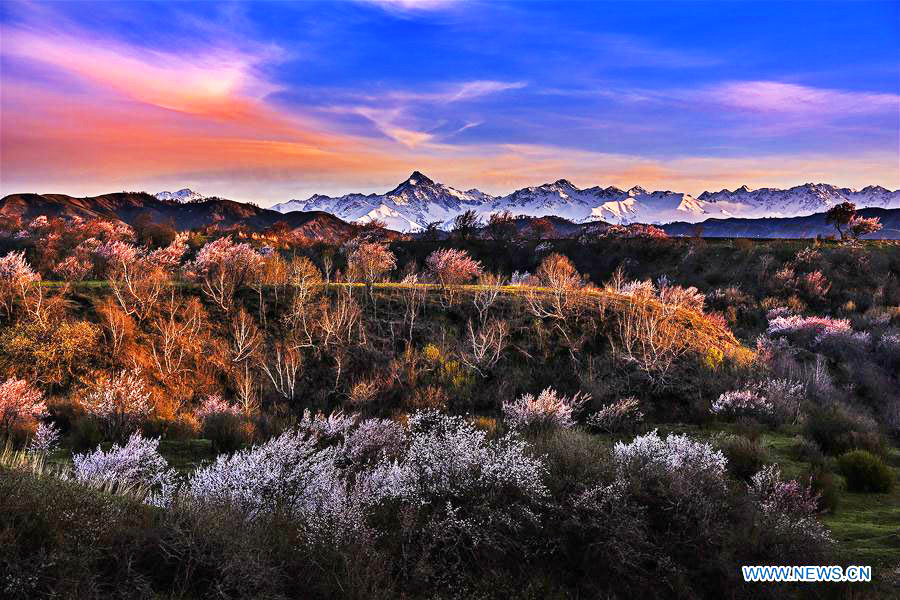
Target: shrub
(825, 487)
(135, 467)
(118, 403)
(45, 440)
(549, 409)
(865, 472)
(745, 457)
(692, 466)
(788, 528)
(836, 431)
(450, 267)
(227, 431)
(20, 405)
(741, 403)
(621, 415)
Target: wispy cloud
(787, 98)
(407, 6)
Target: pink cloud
(788, 98)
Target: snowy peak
(419, 200)
(797, 201)
(183, 195)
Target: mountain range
(419, 200)
(320, 226)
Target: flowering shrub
(461, 487)
(620, 415)
(369, 261)
(889, 348)
(695, 464)
(841, 342)
(136, 466)
(450, 267)
(288, 475)
(215, 405)
(20, 404)
(813, 326)
(549, 409)
(741, 403)
(114, 256)
(223, 267)
(16, 277)
(73, 268)
(118, 403)
(635, 230)
(333, 427)
(520, 278)
(45, 439)
(169, 257)
(787, 515)
(373, 440)
(785, 396)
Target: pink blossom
(19, 402)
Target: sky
(267, 102)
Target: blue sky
(269, 101)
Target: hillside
(209, 213)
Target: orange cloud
(142, 118)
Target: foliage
(865, 472)
(451, 267)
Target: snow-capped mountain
(418, 201)
(797, 201)
(184, 195)
(410, 206)
(610, 204)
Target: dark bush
(226, 431)
(824, 484)
(745, 456)
(865, 472)
(86, 434)
(836, 431)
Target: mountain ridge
(419, 200)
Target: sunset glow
(266, 102)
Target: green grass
(867, 526)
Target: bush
(227, 431)
(549, 409)
(745, 457)
(621, 415)
(836, 431)
(865, 472)
(823, 484)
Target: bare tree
(485, 345)
(489, 287)
(244, 336)
(283, 366)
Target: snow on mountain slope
(418, 201)
(611, 204)
(410, 206)
(796, 201)
(184, 195)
